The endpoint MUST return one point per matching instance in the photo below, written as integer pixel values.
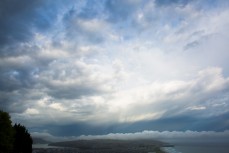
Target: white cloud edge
(156, 135)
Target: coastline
(103, 146)
(74, 150)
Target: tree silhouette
(14, 139)
(22, 140)
(6, 133)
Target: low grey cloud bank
(162, 135)
(155, 135)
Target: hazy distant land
(108, 146)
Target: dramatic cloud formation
(69, 68)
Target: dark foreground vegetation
(13, 139)
(110, 146)
(16, 139)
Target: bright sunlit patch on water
(44, 146)
(170, 150)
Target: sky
(87, 68)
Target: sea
(178, 148)
(197, 149)
(35, 146)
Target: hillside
(109, 146)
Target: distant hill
(110, 146)
(40, 141)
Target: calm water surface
(197, 149)
(44, 146)
(176, 149)
(202, 149)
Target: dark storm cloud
(19, 63)
(15, 80)
(183, 123)
(71, 91)
(180, 123)
(18, 19)
(76, 129)
(19, 68)
(15, 101)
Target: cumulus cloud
(19, 20)
(197, 98)
(31, 111)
